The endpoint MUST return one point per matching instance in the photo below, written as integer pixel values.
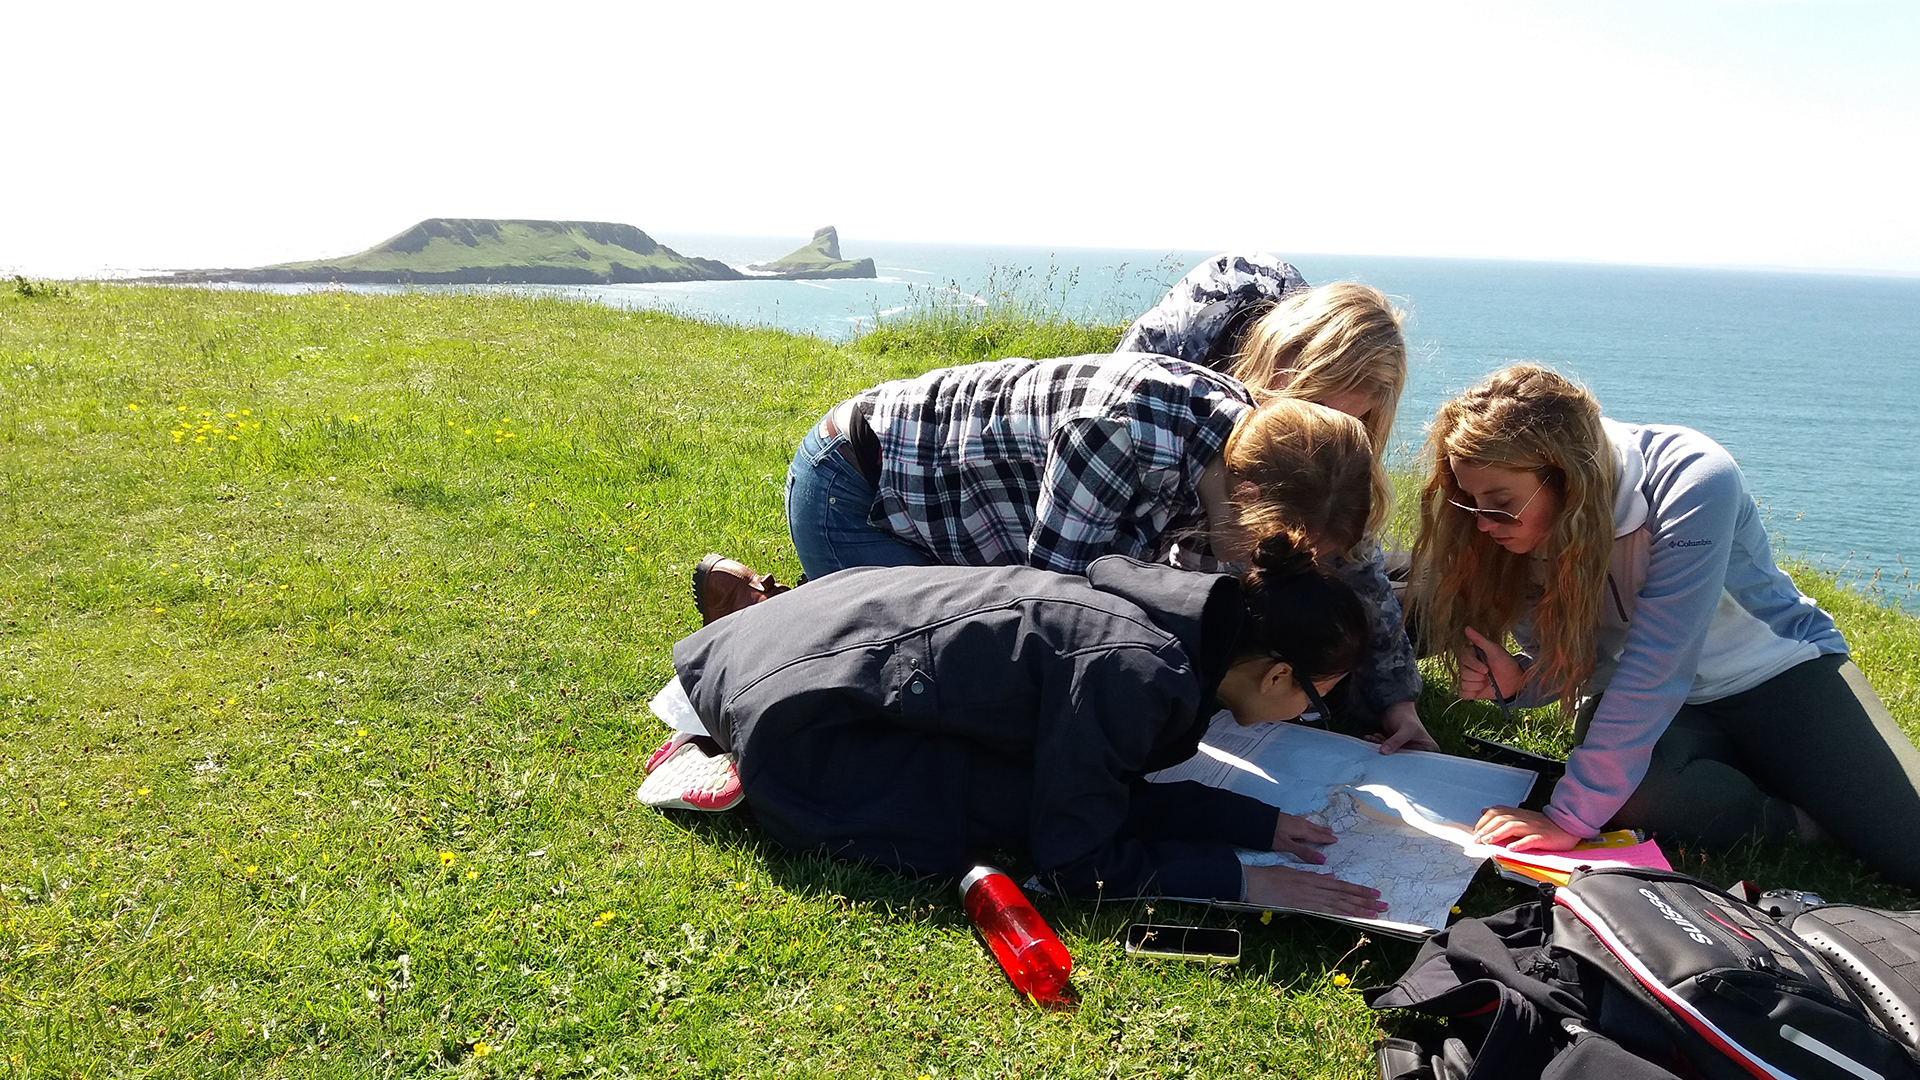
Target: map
(1403, 821)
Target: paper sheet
(1403, 821)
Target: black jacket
(914, 716)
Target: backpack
(1625, 964)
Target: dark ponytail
(1298, 611)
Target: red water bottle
(1020, 939)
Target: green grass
(327, 625)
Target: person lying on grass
(920, 717)
(1713, 701)
(1053, 463)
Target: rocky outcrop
(818, 258)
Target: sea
(1811, 380)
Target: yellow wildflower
(471, 874)
(481, 1049)
(447, 858)
(145, 791)
(133, 406)
(1340, 978)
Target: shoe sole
(691, 780)
(712, 559)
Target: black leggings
(1815, 736)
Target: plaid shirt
(1050, 463)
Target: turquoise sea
(1812, 381)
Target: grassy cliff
(475, 250)
(327, 626)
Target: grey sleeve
(1694, 489)
(1387, 674)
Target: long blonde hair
(1530, 419)
(1315, 471)
(1333, 339)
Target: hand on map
(1301, 838)
(1285, 887)
(1401, 729)
(1483, 660)
(1522, 830)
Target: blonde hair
(1531, 419)
(1334, 339)
(1315, 471)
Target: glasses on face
(1500, 517)
(1315, 703)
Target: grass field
(327, 625)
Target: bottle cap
(974, 875)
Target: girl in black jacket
(919, 716)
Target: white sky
(1764, 132)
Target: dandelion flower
(252, 868)
(447, 857)
(1340, 978)
(362, 732)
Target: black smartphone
(1502, 754)
(1208, 944)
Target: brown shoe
(722, 586)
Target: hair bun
(1283, 554)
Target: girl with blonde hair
(1713, 700)
(1338, 345)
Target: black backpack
(1627, 970)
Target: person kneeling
(918, 716)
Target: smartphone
(1208, 944)
(1502, 754)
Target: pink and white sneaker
(683, 776)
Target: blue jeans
(828, 503)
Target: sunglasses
(1500, 517)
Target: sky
(1767, 133)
